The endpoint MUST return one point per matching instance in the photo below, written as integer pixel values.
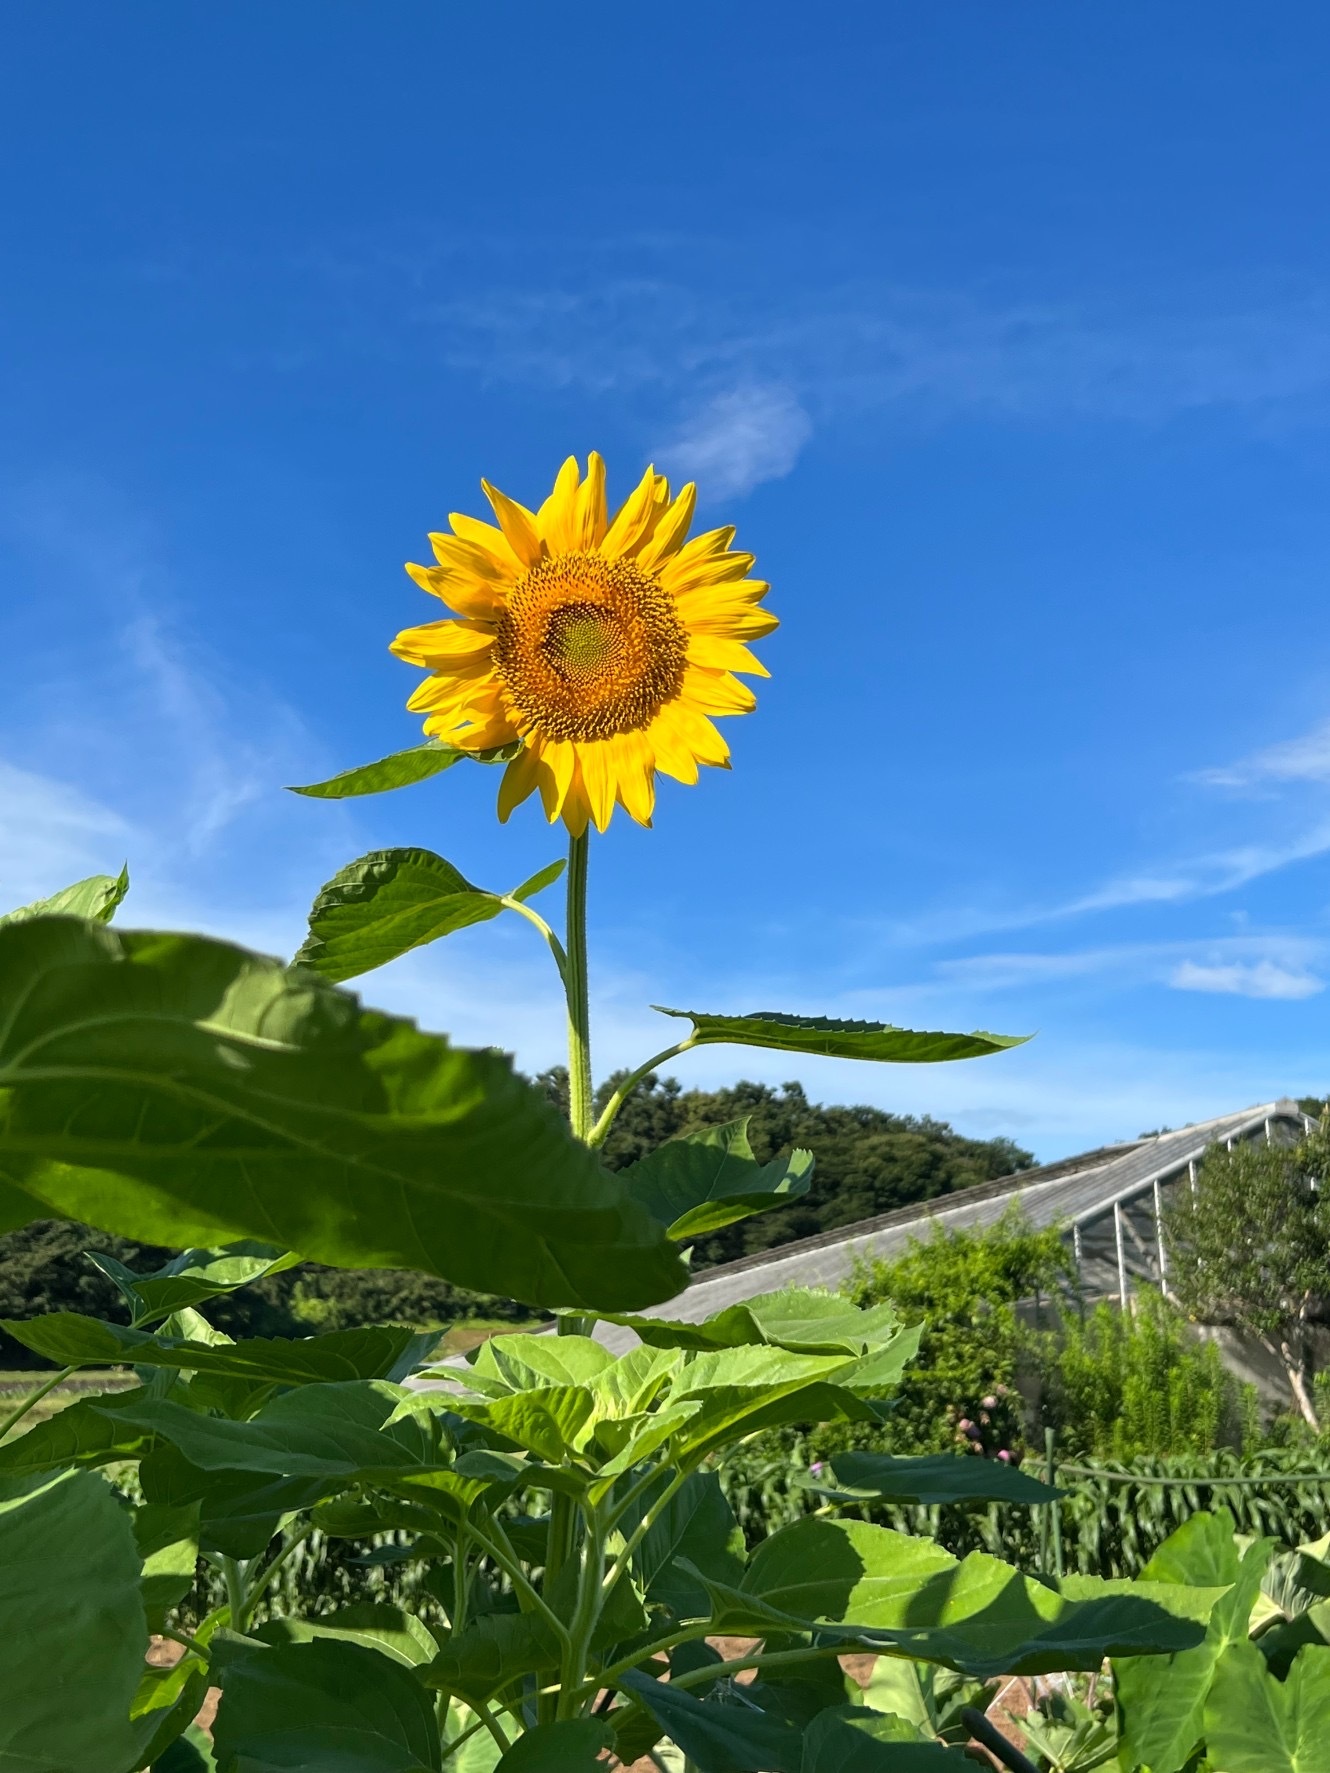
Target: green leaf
(839, 1040)
(322, 1704)
(716, 1737)
(528, 1363)
(1161, 1699)
(89, 1432)
(375, 1624)
(239, 1511)
(702, 1181)
(189, 1753)
(1256, 1724)
(191, 1277)
(572, 1746)
(491, 1654)
(386, 904)
(890, 1591)
(696, 1525)
(852, 1739)
(547, 1422)
(182, 1091)
(800, 1319)
(543, 878)
(98, 897)
(385, 1351)
(168, 1542)
(72, 1629)
(933, 1478)
(416, 764)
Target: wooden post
(1122, 1260)
(1159, 1240)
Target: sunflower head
(604, 644)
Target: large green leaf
(399, 770)
(168, 1542)
(239, 1511)
(379, 1351)
(695, 1527)
(191, 1277)
(839, 1040)
(702, 1181)
(73, 1633)
(716, 1737)
(1161, 1699)
(491, 1654)
(385, 904)
(89, 1432)
(183, 1091)
(801, 1319)
(1256, 1724)
(375, 1624)
(853, 1739)
(571, 1746)
(323, 1704)
(97, 897)
(932, 1478)
(910, 1597)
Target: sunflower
(605, 645)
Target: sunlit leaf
(1256, 1724)
(416, 764)
(185, 1092)
(934, 1478)
(800, 1319)
(385, 904)
(702, 1181)
(98, 897)
(839, 1040)
(191, 1277)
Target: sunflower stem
(579, 1013)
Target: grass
(16, 1384)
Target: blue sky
(1002, 333)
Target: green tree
(1250, 1247)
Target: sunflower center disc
(589, 647)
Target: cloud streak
(738, 440)
(1302, 759)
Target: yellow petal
(576, 807)
(466, 558)
(730, 621)
(633, 767)
(724, 655)
(706, 569)
(632, 518)
(592, 518)
(486, 536)
(559, 768)
(469, 597)
(673, 754)
(518, 525)
(471, 735)
(700, 736)
(715, 692)
(670, 530)
(451, 692)
(557, 518)
(437, 641)
(519, 780)
(597, 779)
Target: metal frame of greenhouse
(1109, 1204)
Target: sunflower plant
(591, 1600)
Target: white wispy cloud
(738, 440)
(51, 834)
(1264, 978)
(1305, 758)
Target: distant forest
(867, 1162)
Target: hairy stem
(34, 1397)
(534, 917)
(575, 980)
(598, 1133)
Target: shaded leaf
(191, 1277)
(168, 1542)
(702, 1181)
(322, 1704)
(572, 1746)
(853, 1739)
(717, 1738)
(490, 1654)
(803, 1320)
(182, 1091)
(378, 1351)
(932, 1478)
(73, 1633)
(695, 1527)
(98, 897)
(840, 1040)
